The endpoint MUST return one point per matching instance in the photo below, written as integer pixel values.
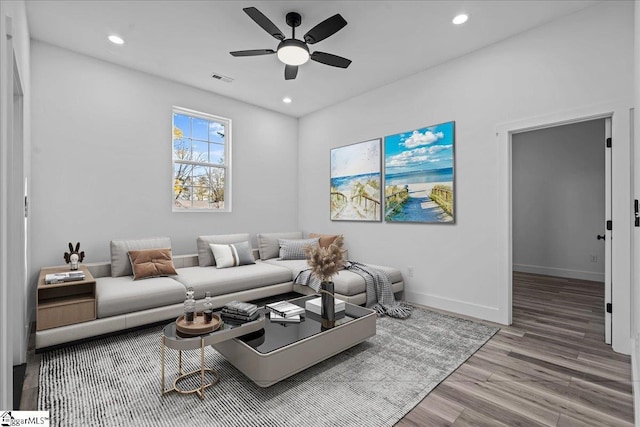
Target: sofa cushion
(228, 280)
(294, 266)
(325, 239)
(294, 248)
(119, 295)
(120, 264)
(148, 263)
(205, 256)
(268, 243)
(232, 255)
(346, 282)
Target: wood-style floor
(550, 368)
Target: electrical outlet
(410, 271)
(594, 258)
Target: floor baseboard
(559, 272)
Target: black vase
(327, 306)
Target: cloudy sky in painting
(356, 159)
(419, 150)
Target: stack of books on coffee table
(236, 312)
(285, 312)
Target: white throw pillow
(205, 257)
(232, 255)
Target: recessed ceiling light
(460, 19)
(115, 39)
(287, 100)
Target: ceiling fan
(294, 52)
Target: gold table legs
(182, 375)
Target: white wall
(551, 68)
(558, 179)
(13, 293)
(102, 159)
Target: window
(201, 162)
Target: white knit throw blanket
(378, 287)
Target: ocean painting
(356, 182)
(419, 175)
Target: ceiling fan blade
(330, 59)
(290, 72)
(254, 52)
(326, 28)
(264, 22)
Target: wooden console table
(61, 304)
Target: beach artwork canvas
(356, 182)
(419, 175)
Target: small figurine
(74, 257)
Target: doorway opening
(561, 201)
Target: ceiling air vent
(222, 78)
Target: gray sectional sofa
(123, 303)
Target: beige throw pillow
(325, 239)
(151, 263)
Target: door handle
(601, 237)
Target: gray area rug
(115, 381)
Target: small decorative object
(325, 263)
(208, 308)
(74, 257)
(356, 182)
(327, 305)
(419, 172)
(189, 306)
(198, 326)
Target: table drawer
(66, 314)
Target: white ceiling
(187, 41)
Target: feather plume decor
(325, 262)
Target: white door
(607, 230)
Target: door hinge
(636, 213)
(609, 307)
(609, 225)
(608, 142)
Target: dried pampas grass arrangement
(325, 262)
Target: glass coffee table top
(170, 331)
(276, 335)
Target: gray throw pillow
(294, 249)
(205, 256)
(268, 243)
(232, 255)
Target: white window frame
(227, 159)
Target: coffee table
(281, 350)
(172, 338)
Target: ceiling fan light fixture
(293, 52)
